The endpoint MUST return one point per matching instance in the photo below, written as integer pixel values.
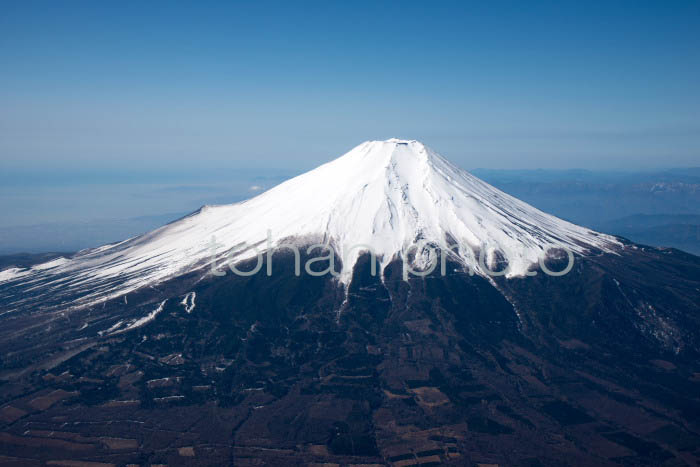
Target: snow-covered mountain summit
(382, 195)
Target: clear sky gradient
(97, 86)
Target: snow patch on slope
(13, 274)
(188, 302)
(145, 320)
(51, 264)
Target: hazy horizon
(45, 211)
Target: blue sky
(95, 86)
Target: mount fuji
(382, 196)
(150, 351)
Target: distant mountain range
(659, 208)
